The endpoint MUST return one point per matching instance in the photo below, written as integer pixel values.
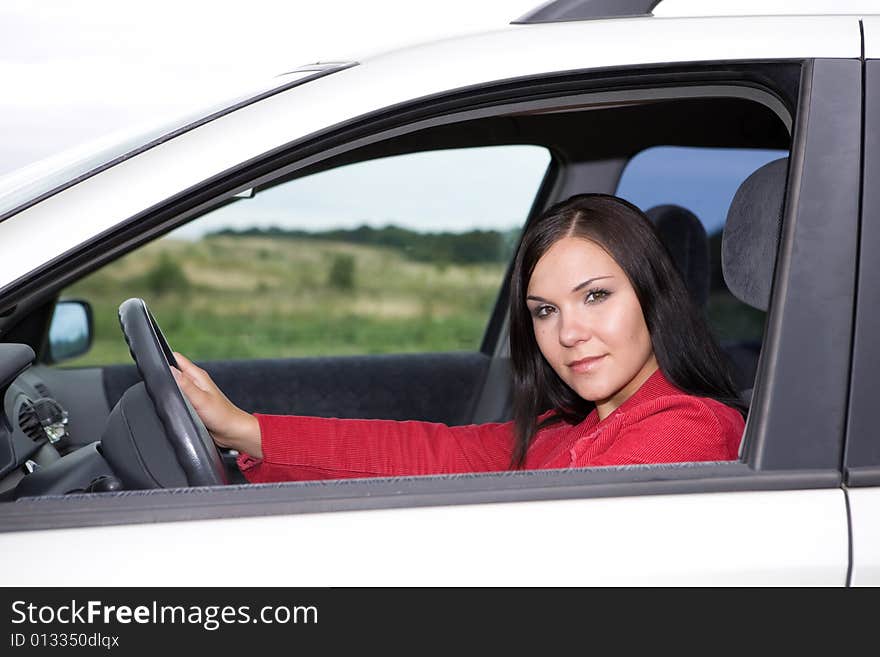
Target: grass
(227, 297)
(250, 297)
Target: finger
(199, 376)
(194, 393)
(185, 363)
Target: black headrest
(685, 239)
(751, 235)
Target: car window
(397, 254)
(703, 181)
(332, 265)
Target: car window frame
(756, 471)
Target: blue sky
(479, 188)
(703, 180)
(449, 190)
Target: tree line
(468, 248)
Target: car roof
(574, 10)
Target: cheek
(625, 325)
(613, 325)
(639, 331)
(545, 338)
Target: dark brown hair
(686, 351)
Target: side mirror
(70, 333)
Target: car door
(777, 516)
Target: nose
(573, 329)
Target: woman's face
(589, 324)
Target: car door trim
(169, 505)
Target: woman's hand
(229, 425)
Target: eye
(542, 311)
(597, 295)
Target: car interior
(101, 429)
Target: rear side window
(704, 181)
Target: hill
(252, 296)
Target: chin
(594, 393)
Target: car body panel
(720, 539)
(864, 508)
(107, 199)
(871, 27)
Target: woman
(612, 365)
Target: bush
(166, 276)
(341, 276)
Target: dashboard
(50, 430)
(36, 430)
(53, 423)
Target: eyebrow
(576, 288)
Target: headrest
(751, 235)
(685, 239)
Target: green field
(255, 297)
(227, 297)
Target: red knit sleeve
(300, 448)
(673, 429)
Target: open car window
(588, 147)
(373, 284)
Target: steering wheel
(193, 446)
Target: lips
(585, 365)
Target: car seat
(685, 238)
(749, 243)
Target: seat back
(685, 238)
(751, 234)
(749, 244)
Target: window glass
(704, 181)
(398, 254)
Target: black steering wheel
(193, 446)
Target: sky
(75, 71)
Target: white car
(748, 139)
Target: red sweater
(658, 424)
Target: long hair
(687, 353)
